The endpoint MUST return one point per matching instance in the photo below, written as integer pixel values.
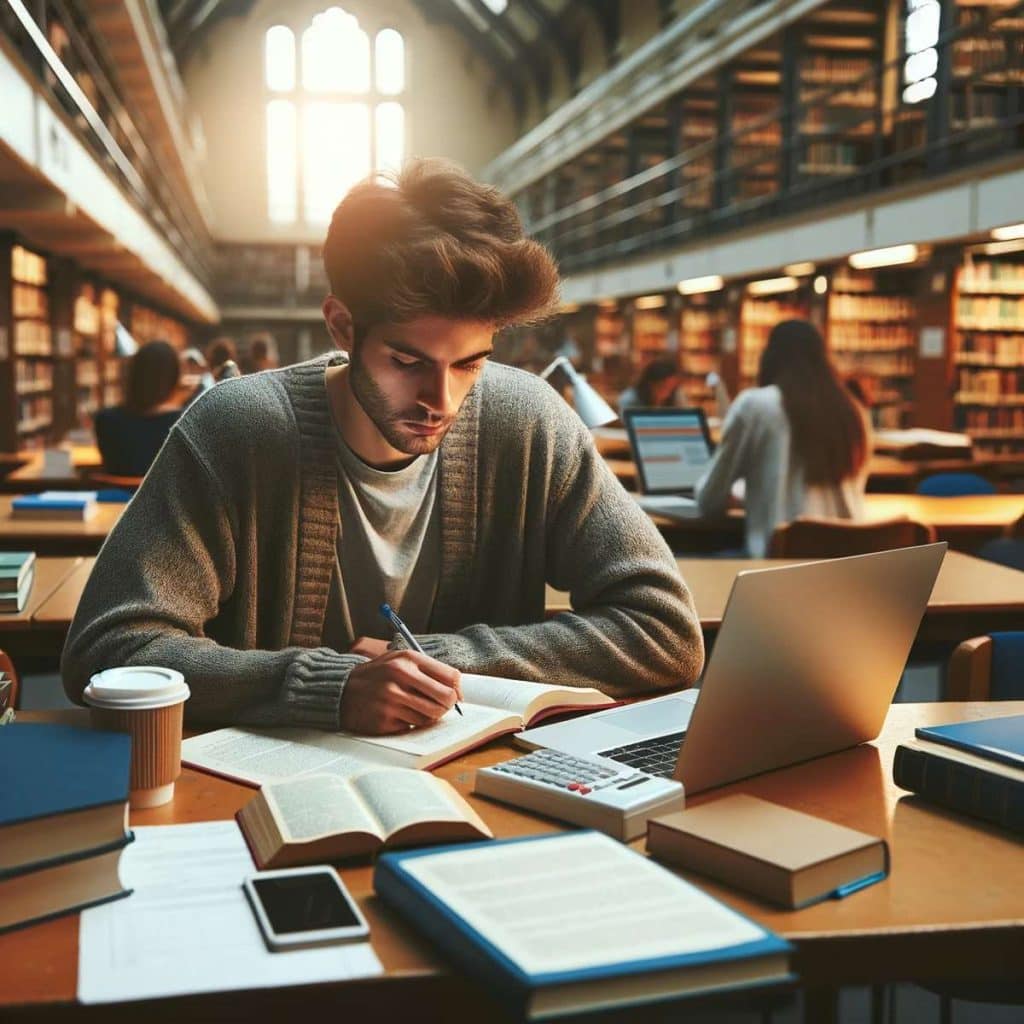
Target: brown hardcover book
(316, 818)
(783, 856)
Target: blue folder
(478, 956)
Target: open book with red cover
(491, 707)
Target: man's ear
(339, 322)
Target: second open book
(491, 707)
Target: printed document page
(188, 926)
(582, 900)
(259, 756)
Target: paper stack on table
(188, 928)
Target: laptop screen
(671, 448)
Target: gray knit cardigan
(221, 565)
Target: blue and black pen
(405, 633)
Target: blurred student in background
(262, 354)
(222, 359)
(130, 435)
(655, 387)
(798, 440)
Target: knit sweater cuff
(313, 686)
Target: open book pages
(323, 817)
(491, 707)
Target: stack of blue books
(63, 819)
(975, 768)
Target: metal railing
(106, 124)
(831, 141)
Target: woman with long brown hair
(799, 441)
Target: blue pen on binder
(406, 634)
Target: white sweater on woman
(756, 448)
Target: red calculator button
(584, 790)
(573, 785)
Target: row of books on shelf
(27, 267)
(844, 306)
(997, 423)
(34, 412)
(17, 573)
(992, 383)
(32, 338)
(853, 334)
(827, 70)
(28, 300)
(984, 312)
(881, 364)
(991, 349)
(32, 375)
(992, 275)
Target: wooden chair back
(99, 479)
(806, 537)
(987, 668)
(7, 666)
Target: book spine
(448, 933)
(961, 787)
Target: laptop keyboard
(656, 756)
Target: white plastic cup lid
(136, 687)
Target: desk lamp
(589, 405)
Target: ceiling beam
(505, 71)
(568, 47)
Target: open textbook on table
(491, 707)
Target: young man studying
(405, 468)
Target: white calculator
(591, 792)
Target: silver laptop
(671, 450)
(806, 662)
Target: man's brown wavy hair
(435, 243)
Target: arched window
(334, 112)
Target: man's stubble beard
(375, 404)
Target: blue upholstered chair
(954, 485)
(987, 668)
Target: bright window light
(698, 285)
(280, 59)
(497, 5)
(890, 256)
(390, 62)
(820, 284)
(282, 177)
(922, 61)
(336, 154)
(335, 54)
(390, 136)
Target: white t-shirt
(389, 547)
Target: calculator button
(584, 790)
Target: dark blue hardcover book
(997, 739)
(600, 978)
(53, 769)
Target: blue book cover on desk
(576, 921)
(64, 791)
(58, 501)
(998, 739)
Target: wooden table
(964, 522)
(952, 908)
(42, 626)
(886, 473)
(31, 476)
(57, 536)
(971, 596)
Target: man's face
(411, 379)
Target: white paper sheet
(188, 927)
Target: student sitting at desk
(655, 387)
(799, 441)
(130, 435)
(406, 468)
